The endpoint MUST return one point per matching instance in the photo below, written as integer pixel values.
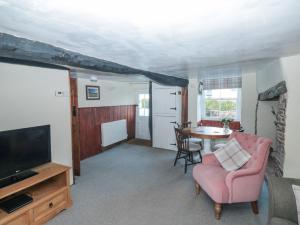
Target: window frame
(238, 105)
(143, 108)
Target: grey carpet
(138, 185)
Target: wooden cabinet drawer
(22, 219)
(51, 207)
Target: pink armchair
(243, 185)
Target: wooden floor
(140, 142)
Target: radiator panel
(113, 132)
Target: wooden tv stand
(50, 190)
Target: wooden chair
(192, 140)
(186, 149)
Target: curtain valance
(222, 83)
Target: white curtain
(221, 79)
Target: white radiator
(113, 132)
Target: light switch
(60, 94)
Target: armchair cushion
(232, 156)
(296, 190)
(280, 221)
(215, 186)
(210, 159)
(282, 203)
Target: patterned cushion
(296, 190)
(231, 156)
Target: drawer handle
(50, 205)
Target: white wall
(193, 103)
(140, 86)
(27, 97)
(291, 72)
(265, 120)
(249, 98)
(265, 125)
(112, 93)
(269, 75)
(288, 69)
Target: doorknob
(173, 93)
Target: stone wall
(276, 159)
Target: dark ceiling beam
(25, 49)
(32, 63)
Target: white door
(164, 101)
(166, 106)
(163, 132)
(142, 116)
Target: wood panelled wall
(90, 120)
(75, 127)
(184, 104)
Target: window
(143, 104)
(221, 103)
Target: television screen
(24, 149)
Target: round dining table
(204, 132)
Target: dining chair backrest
(182, 140)
(185, 125)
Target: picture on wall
(92, 92)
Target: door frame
(75, 125)
(141, 91)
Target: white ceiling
(165, 36)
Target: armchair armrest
(210, 159)
(240, 173)
(282, 201)
(244, 179)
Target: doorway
(142, 115)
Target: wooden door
(75, 126)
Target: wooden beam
(32, 63)
(273, 93)
(25, 49)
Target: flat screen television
(24, 149)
